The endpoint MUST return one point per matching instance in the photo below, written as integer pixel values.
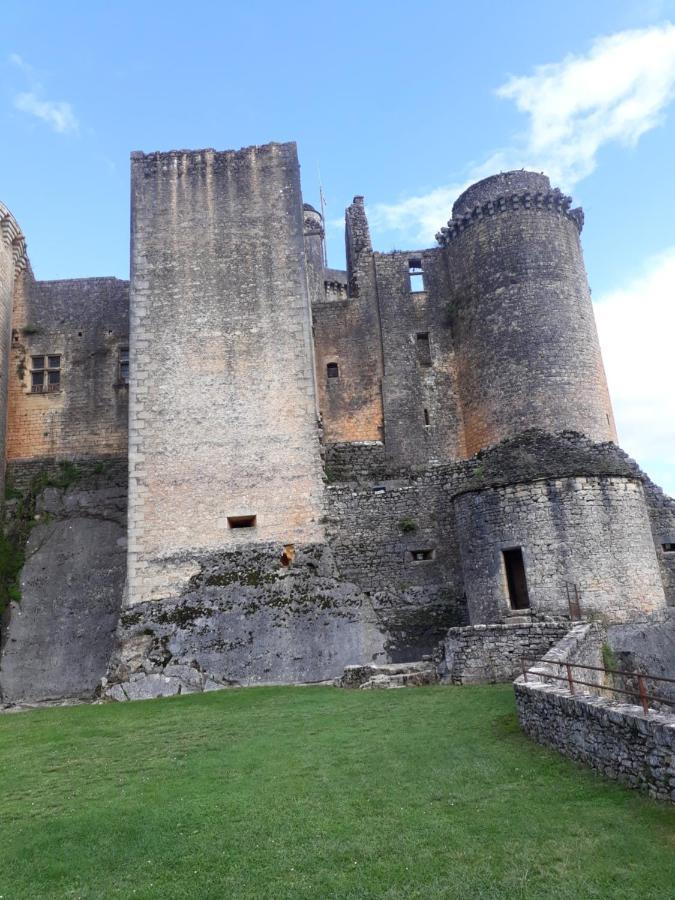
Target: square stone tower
(223, 438)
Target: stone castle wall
(422, 417)
(85, 321)
(348, 333)
(222, 416)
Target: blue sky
(404, 103)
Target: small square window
(37, 362)
(53, 362)
(332, 370)
(422, 555)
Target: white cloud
(615, 93)
(58, 114)
(636, 325)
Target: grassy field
(315, 793)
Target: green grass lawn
(316, 793)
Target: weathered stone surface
(57, 641)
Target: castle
(324, 467)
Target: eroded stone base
(255, 616)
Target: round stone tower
(313, 230)
(526, 342)
(13, 260)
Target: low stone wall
(480, 654)
(618, 739)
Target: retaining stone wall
(615, 738)
(489, 654)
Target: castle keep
(324, 467)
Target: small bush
(407, 525)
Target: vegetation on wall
(19, 518)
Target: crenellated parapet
(11, 236)
(554, 201)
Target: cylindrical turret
(313, 231)
(527, 347)
(13, 260)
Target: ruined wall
(85, 321)
(347, 332)
(525, 336)
(222, 404)
(591, 531)
(13, 261)
(422, 420)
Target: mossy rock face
(253, 616)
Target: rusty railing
(641, 693)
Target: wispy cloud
(58, 114)
(615, 93)
(636, 325)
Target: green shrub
(407, 525)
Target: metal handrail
(571, 681)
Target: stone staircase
(390, 675)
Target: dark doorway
(515, 578)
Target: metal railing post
(570, 680)
(643, 694)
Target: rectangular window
(332, 370)
(241, 521)
(123, 369)
(423, 348)
(421, 555)
(427, 420)
(515, 578)
(668, 548)
(416, 275)
(45, 375)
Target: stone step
(388, 675)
